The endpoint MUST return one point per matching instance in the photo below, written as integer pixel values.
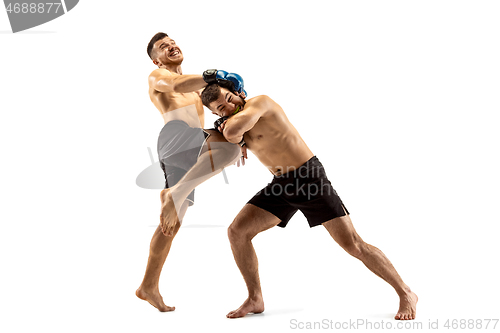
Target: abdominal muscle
(279, 153)
(188, 114)
(186, 107)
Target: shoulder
(261, 100)
(157, 75)
(160, 72)
(261, 105)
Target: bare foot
(168, 216)
(254, 305)
(407, 306)
(154, 298)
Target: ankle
(255, 296)
(148, 287)
(404, 291)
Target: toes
(405, 316)
(234, 314)
(167, 308)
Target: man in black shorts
(299, 183)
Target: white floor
(306, 278)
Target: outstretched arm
(242, 122)
(164, 81)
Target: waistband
(301, 171)
(176, 122)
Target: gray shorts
(179, 147)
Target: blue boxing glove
(215, 76)
(236, 79)
(221, 75)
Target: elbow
(176, 88)
(232, 135)
(233, 139)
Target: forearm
(238, 125)
(181, 84)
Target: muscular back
(174, 105)
(273, 139)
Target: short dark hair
(212, 92)
(153, 40)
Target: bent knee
(230, 152)
(234, 151)
(233, 233)
(230, 148)
(236, 234)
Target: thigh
(216, 140)
(214, 136)
(251, 220)
(342, 231)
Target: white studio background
(398, 99)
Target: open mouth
(174, 53)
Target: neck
(173, 68)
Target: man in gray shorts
(182, 143)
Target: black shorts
(179, 146)
(307, 189)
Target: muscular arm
(245, 120)
(164, 81)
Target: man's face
(226, 104)
(167, 52)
